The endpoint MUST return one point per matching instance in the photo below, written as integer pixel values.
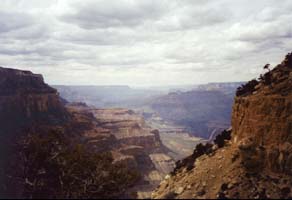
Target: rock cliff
(130, 140)
(262, 120)
(26, 99)
(41, 136)
(26, 102)
(257, 161)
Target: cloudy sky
(144, 42)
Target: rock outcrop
(26, 102)
(26, 99)
(33, 118)
(262, 120)
(257, 161)
(130, 140)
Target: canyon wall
(262, 120)
(25, 98)
(32, 113)
(130, 140)
(256, 161)
(204, 113)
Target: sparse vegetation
(266, 78)
(54, 167)
(247, 89)
(221, 138)
(288, 60)
(200, 150)
(267, 66)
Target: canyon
(129, 139)
(175, 145)
(201, 110)
(253, 160)
(137, 138)
(29, 106)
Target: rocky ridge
(125, 134)
(255, 162)
(33, 114)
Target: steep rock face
(26, 102)
(257, 161)
(25, 98)
(262, 118)
(29, 108)
(17, 81)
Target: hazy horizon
(144, 43)
(146, 86)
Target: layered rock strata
(257, 161)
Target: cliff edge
(256, 161)
(26, 99)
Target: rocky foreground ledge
(257, 161)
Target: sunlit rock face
(130, 140)
(262, 119)
(257, 160)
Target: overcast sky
(144, 42)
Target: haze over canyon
(145, 99)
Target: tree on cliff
(267, 66)
(266, 78)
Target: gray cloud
(144, 42)
(105, 14)
(10, 21)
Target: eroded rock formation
(30, 111)
(25, 98)
(256, 162)
(125, 134)
(204, 113)
(262, 120)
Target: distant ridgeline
(204, 111)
